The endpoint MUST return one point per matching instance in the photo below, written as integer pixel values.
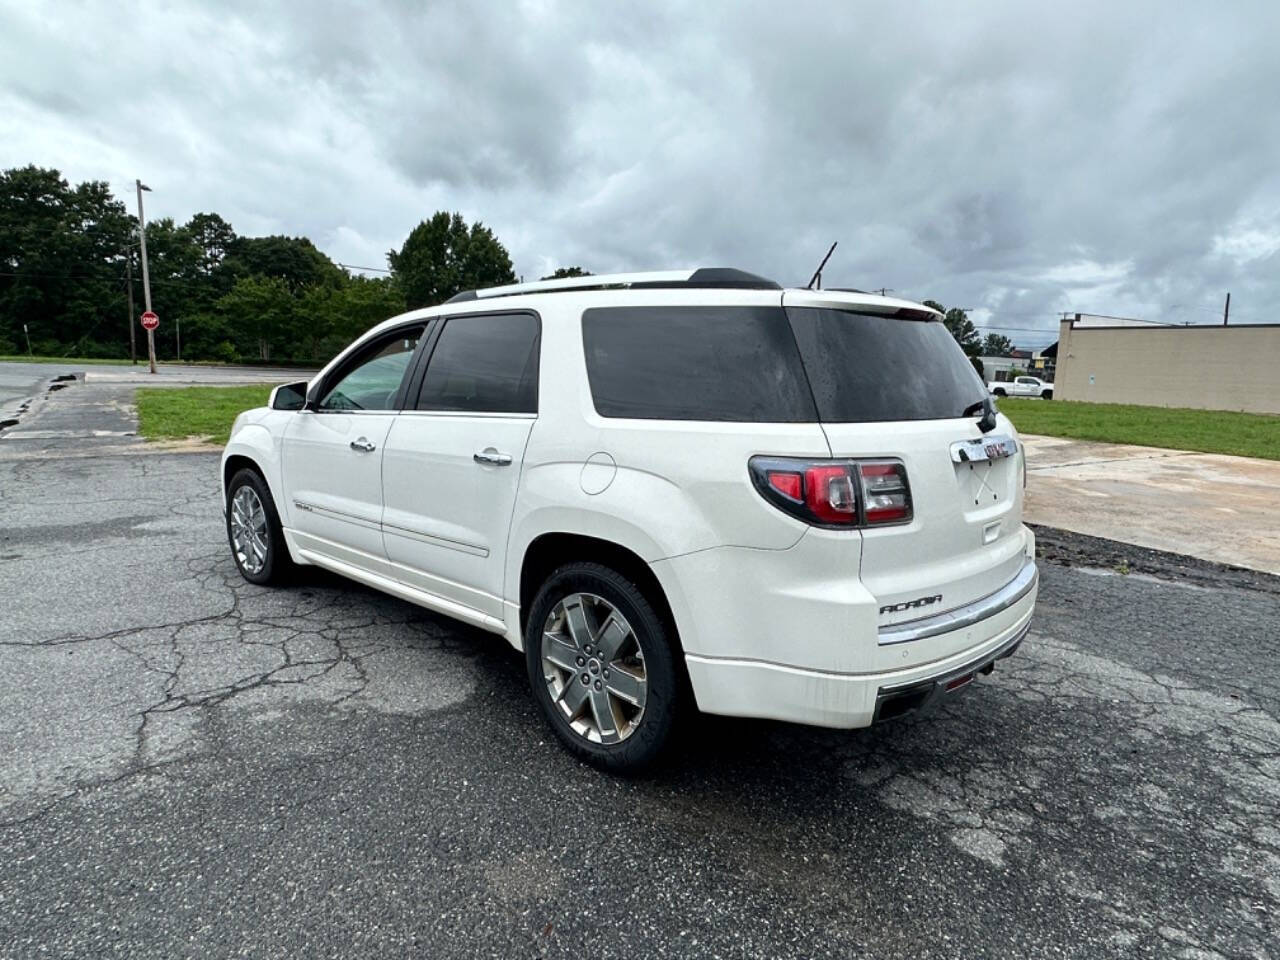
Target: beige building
(1207, 367)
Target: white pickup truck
(1021, 387)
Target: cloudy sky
(1016, 158)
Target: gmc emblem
(911, 604)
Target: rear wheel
(999, 392)
(602, 667)
(1047, 394)
(253, 530)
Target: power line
(352, 266)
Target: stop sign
(150, 321)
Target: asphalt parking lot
(195, 766)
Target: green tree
(263, 316)
(214, 237)
(61, 261)
(208, 335)
(294, 261)
(444, 256)
(337, 315)
(64, 251)
(961, 327)
(996, 345)
(563, 273)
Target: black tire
(998, 392)
(278, 566)
(1048, 394)
(665, 699)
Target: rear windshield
(867, 369)
(695, 363)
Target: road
(57, 409)
(196, 766)
(20, 381)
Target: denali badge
(922, 602)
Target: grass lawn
(1206, 431)
(75, 361)
(182, 412)
(179, 413)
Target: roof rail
(705, 277)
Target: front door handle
(363, 445)
(492, 457)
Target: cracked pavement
(197, 766)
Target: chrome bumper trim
(965, 616)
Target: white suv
(675, 488)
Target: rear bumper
(991, 629)
(900, 699)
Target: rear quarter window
(726, 364)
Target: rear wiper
(988, 421)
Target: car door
(452, 463)
(332, 453)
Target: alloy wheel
(249, 535)
(594, 668)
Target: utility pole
(884, 291)
(178, 334)
(146, 277)
(1226, 310)
(133, 335)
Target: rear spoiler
(859, 302)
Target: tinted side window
(868, 369)
(374, 380)
(484, 364)
(695, 363)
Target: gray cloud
(1017, 159)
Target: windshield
(867, 369)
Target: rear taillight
(884, 492)
(835, 493)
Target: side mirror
(289, 396)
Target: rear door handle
(492, 457)
(363, 445)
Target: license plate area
(986, 449)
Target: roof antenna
(817, 274)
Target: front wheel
(253, 530)
(1047, 394)
(602, 666)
